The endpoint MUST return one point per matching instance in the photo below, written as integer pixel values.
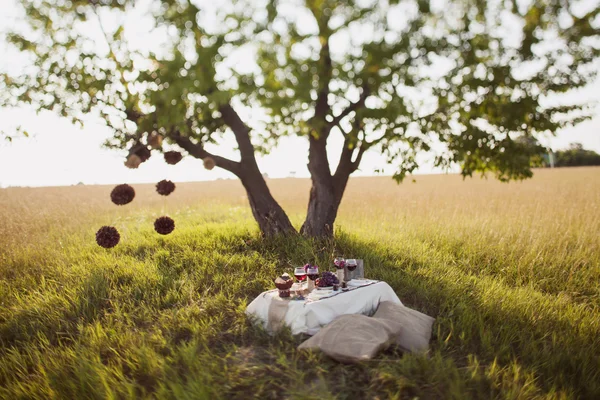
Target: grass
(510, 271)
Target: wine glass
(339, 262)
(351, 264)
(300, 274)
(312, 272)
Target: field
(510, 271)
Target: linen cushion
(352, 338)
(416, 326)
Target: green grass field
(510, 271)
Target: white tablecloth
(310, 315)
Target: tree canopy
(460, 79)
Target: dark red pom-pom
(165, 187)
(122, 194)
(164, 225)
(107, 237)
(173, 157)
(143, 153)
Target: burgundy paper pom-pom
(165, 187)
(133, 161)
(143, 153)
(173, 157)
(155, 140)
(209, 163)
(107, 237)
(164, 225)
(122, 194)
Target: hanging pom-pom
(133, 161)
(107, 237)
(173, 157)
(165, 187)
(209, 163)
(155, 140)
(164, 225)
(143, 153)
(122, 194)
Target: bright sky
(59, 153)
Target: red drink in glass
(351, 264)
(300, 277)
(300, 274)
(312, 272)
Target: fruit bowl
(326, 281)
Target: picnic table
(320, 307)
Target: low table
(320, 307)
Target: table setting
(313, 298)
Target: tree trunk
(327, 190)
(322, 210)
(269, 215)
(323, 205)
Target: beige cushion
(352, 338)
(416, 326)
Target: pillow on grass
(352, 338)
(416, 326)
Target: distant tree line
(575, 156)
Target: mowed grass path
(510, 271)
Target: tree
(461, 80)
(576, 156)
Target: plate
(324, 288)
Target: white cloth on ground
(309, 316)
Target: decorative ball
(165, 187)
(155, 140)
(173, 157)
(209, 163)
(143, 153)
(107, 237)
(133, 161)
(122, 194)
(164, 225)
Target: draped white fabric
(321, 307)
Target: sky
(59, 153)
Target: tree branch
(322, 105)
(364, 146)
(352, 107)
(133, 115)
(240, 130)
(197, 150)
(356, 162)
(346, 166)
(109, 43)
(345, 162)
